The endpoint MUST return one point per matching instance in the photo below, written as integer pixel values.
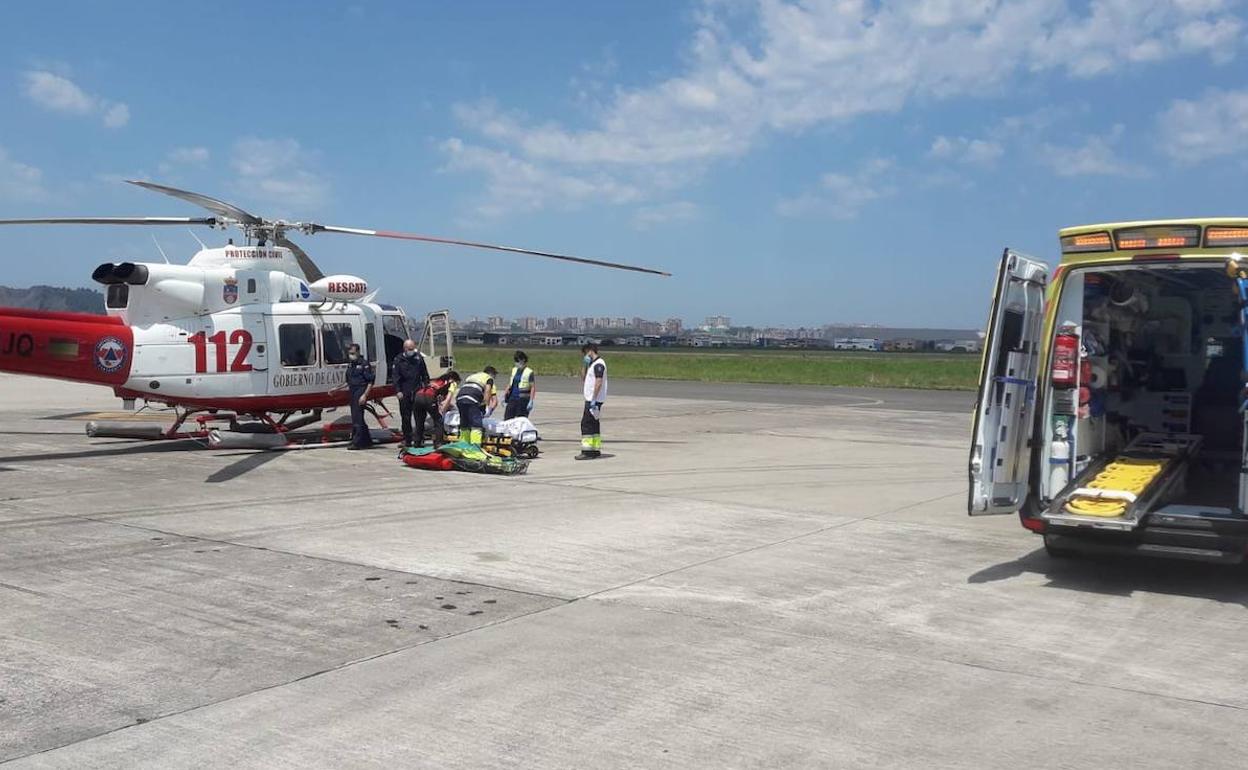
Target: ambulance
(1109, 416)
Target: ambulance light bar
(1218, 237)
(1161, 237)
(1088, 242)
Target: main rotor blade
(309, 268)
(221, 208)
(477, 245)
(210, 221)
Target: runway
(741, 583)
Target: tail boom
(69, 346)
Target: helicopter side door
(1000, 461)
(437, 344)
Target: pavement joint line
(314, 557)
(303, 677)
(760, 547)
(844, 652)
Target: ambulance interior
(1145, 418)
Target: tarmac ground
(753, 577)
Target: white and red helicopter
(247, 342)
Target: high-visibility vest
(473, 383)
(526, 380)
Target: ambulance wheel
(1057, 552)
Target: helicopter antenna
(163, 255)
(202, 245)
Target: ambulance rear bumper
(1208, 545)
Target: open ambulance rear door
(1005, 412)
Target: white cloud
(514, 185)
(776, 66)
(979, 152)
(279, 172)
(116, 116)
(20, 182)
(1212, 126)
(647, 217)
(843, 195)
(183, 157)
(57, 93)
(1094, 156)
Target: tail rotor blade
(478, 245)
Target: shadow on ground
(1124, 575)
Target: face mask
(409, 353)
(587, 360)
(353, 356)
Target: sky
(790, 162)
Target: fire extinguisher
(1065, 357)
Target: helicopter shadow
(248, 463)
(110, 450)
(1125, 575)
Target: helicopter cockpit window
(395, 333)
(118, 295)
(335, 338)
(298, 344)
(370, 341)
(251, 285)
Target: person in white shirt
(595, 393)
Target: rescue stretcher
(1115, 493)
(517, 437)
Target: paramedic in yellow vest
(595, 393)
(475, 395)
(521, 388)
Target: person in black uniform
(359, 383)
(410, 375)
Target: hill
(53, 298)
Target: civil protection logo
(229, 292)
(110, 355)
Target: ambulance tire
(1057, 552)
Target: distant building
(528, 323)
(496, 322)
(901, 346)
(856, 343)
(587, 324)
(571, 324)
(673, 327)
(717, 322)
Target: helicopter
(245, 343)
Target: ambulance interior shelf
(1144, 351)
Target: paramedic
(595, 393)
(523, 388)
(410, 375)
(359, 383)
(432, 401)
(475, 395)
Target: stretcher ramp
(1122, 489)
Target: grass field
(782, 367)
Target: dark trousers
(426, 408)
(360, 435)
(517, 407)
(406, 409)
(591, 427)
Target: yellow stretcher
(1148, 465)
